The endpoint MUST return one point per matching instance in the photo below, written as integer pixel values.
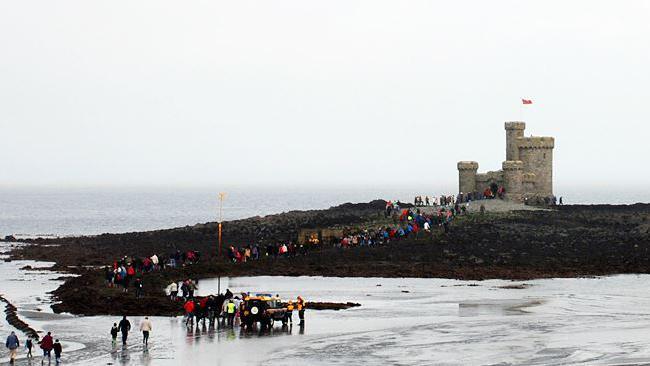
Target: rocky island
(564, 241)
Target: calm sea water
(75, 211)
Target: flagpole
(221, 197)
(521, 110)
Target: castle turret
(514, 131)
(537, 155)
(467, 176)
(512, 179)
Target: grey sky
(216, 92)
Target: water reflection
(563, 321)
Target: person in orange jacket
(300, 305)
(289, 313)
(189, 311)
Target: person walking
(125, 327)
(29, 344)
(46, 345)
(12, 344)
(231, 313)
(58, 349)
(145, 327)
(189, 307)
(114, 331)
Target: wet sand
(595, 321)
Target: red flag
(527, 101)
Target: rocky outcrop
(16, 322)
(570, 241)
(102, 249)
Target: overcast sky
(275, 92)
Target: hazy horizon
(291, 93)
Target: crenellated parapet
(488, 176)
(536, 143)
(515, 125)
(467, 165)
(513, 165)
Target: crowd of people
(227, 309)
(462, 197)
(411, 224)
(255, 251)
(420, 201)
(47, 345)
(129, 270)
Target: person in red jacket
(47, 343)
(189, 311)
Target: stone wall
(484, 180)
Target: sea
(68, 211)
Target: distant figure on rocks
(47, 343)
(12, 344)
(58, 349)
(138, 288)
(192, 287)
(561, 202)
(114, 331)
(173, 290)
(125, 327)
(145, 327)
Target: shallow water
(594, 321)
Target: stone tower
(513, 172)
(527, 171)
(514, 131)
(467, 176)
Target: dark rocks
(315, 305)
(16, 322)
(101, 249)
(520, 286)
